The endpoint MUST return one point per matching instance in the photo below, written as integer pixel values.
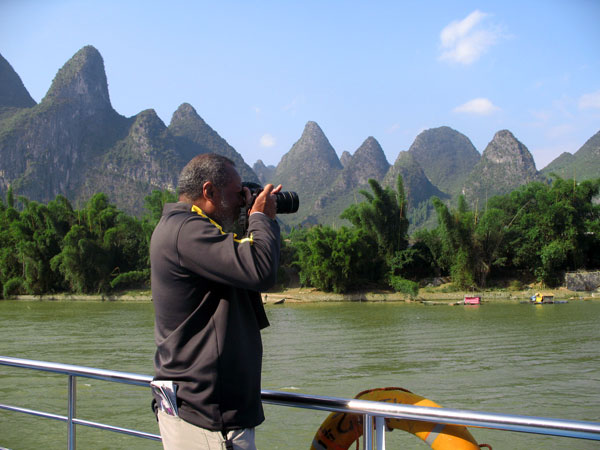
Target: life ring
(340, 430)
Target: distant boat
(544, 299)
(472, 300)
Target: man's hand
(266, 202)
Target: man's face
(229, 200)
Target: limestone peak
(12, 90)
(82, 80)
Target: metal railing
(373, 413)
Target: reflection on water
(506, 358)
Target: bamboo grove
(535, 233)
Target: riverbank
(306, 295)
(311, 295)
(129, 296)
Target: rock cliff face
(308, 168)
(47, 149)
(82, 83)
(345, 158)
(264, 173)
(368, 161)
(144, 160)
(582, 281)
(196, 137)
(12, 91)
(505, 165)
(417, 186)
(446, 157)
(74, 143)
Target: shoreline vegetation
(524, 242)
(438, 295)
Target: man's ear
(208, 190)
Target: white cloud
(589, 101)
(478, 106)
(466, 40)
(267, 140)
(394, 127)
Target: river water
(502, 357)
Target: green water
(506, 358)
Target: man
(208, 309)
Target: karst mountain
(75, 144)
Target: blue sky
(258, 71)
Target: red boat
(472, 300)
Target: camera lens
(287, 202)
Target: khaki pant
(177, 434)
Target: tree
(38, 234)
(49, 248)
(490, 243)
(383, 216)
(10, 265)
(551, 229)
(128, 247)
(154, 204)
(335, 261)
(456, 235)
(106, 244)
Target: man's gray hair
(202, 168)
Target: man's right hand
(266, 201)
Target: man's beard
(226, 218)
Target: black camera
(287, 202)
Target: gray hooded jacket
(208, 314)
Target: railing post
(368, 432)
(380, 432)
(72, 403)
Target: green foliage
(12, 287)
(383, 216)
(415, 262)
(10, 197)
(405, 286)
(551, 228)
(51, 248)
(538, 230)
(10, 265)
(110, 243)
(154, 204)
(39, 231)
(82, 262)
(348, 258)
(288, 257)
(456, 234)
(335, 261)
(131, 279)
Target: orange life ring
(340, 430)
